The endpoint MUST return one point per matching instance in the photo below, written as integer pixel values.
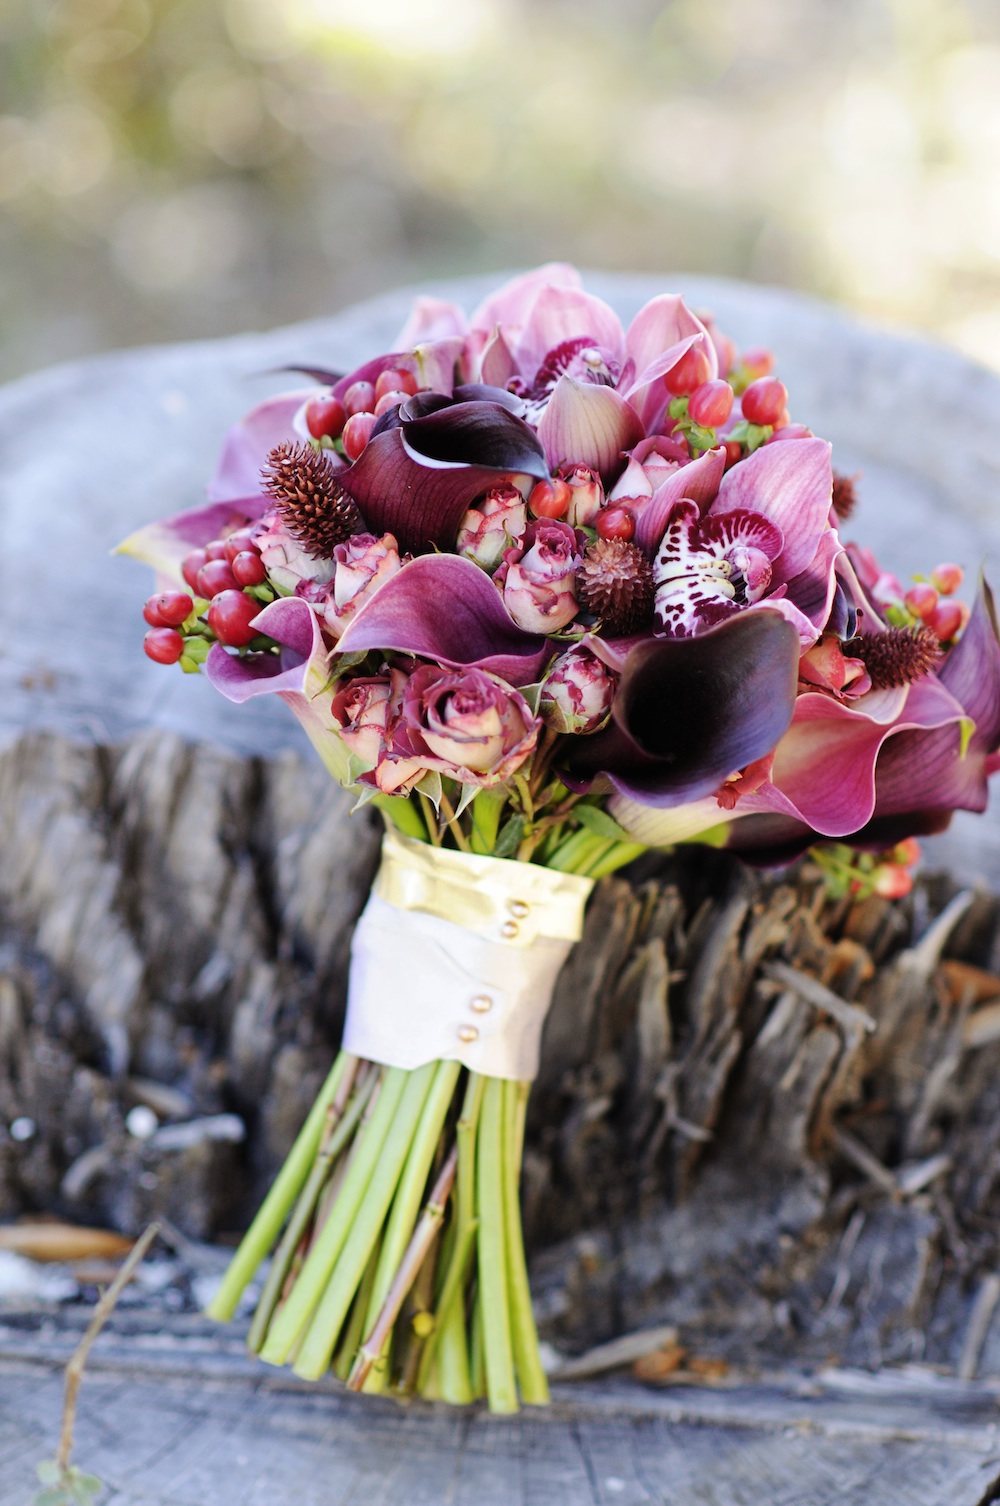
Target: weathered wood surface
(717, 1141)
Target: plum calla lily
(476, 629)
(691, 711)
(299, 674)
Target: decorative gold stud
(481, 1003)
(509, 930)
(468, 1033)
(518, 908)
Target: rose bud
(361, 709)
(285, 560)
(492, 526)
(363, 564)
(474, 726)
(577, 692)
(586, 494)
(539, 577)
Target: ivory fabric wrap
(455, 957)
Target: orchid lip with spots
(558, 590)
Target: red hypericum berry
(168, 609)
(948, 619)
(248, 568)
(764, 401)
(325, 417)
(689, 372)
(947, 578)
(357, 432)
(238, 541)
(215, 576)
(395, 379)
(615, 523)
(906, 852)
(922, 599)
(163, 644)
(892, 881)
(734, 452)
(550, 499)
(757, 362)
(230, 616)
(711, 404)
(390, 399)
(191, 565)
(216, 550)
(359, 398)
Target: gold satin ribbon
(495, 897)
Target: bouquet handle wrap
(455, 957)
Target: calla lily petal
(585, 423)
(414, 482)
(249, 443)
(300, 676)
(691, 711)
(791, 484)
(406, 614)
(972, 671)
(165, 543)
(698, 482)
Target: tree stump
(763, 1121)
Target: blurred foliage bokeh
(176, 168)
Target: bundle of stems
(394, 1228)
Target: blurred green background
(177, 168)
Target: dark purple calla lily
(445, 608)
(418, 480)
(690, 711)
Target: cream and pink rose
(492, 526)
(286, 561)
(539, 577)
(469, 724)
(577, 692)
(363, 564)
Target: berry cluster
(922, 604)
(229, 586)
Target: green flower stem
(407, 1202)
(577, 852)
(355, 1325)
(338, 1136)
(343, 1275)
(291, 1321)
(501, 1386)
(486, 809)
(530, 1375)
(403, 814)
(620, 854)
(477, 1355)
(450, 1317)
(264, 1230)
(419, 1246)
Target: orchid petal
(431, 319)
(249, 443)
(559, 314)
(585, 423)
(511, 304)
(300, 676)
(812, 590)
(414, 481)
(698, 482)
(476, 629)
(165, 543)
(691, 711)
(497, 365)
(791, 484)
(661, 324)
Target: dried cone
(898, 656)
(844, 495)
(311, 501)
(615, 583)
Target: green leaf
(701, 438)
(52, 1497)
(48, 1472)
(430, 785)
(469, 793)
(366, 794)
(510, 836)
(678, 407)
(533, 695)
(757, 434)
(196, 648)
(599, 822)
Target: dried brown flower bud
(313, 504)
(844, 495)
(898, 656)
(615, 583)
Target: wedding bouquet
(546, 593)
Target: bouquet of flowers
(547, 593)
